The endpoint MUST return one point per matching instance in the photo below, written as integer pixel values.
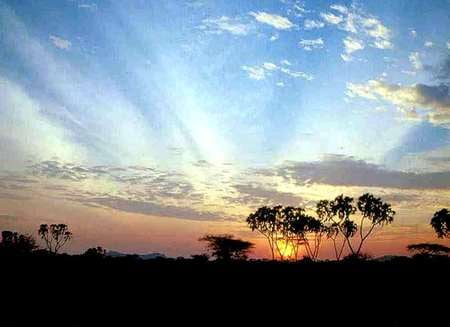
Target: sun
(286, 250)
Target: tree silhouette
(428, 249)
(376, 212)
(441, 223)
(325, 213)
(15, 243)
(96, 252)
(299, 228)
(55, 236)
(268, 222)
(226, 247)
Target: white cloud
(413, 33)
(331, 18)
(274, 37)
(416, 62)
(340, 8)
(88, 6)
(297, 74)
(365, 27)
(276, 21)
(60, 42)
(255, 72)
(428, 44)
(309, 45)
(270, 66)
(310, 24)
(285, 62)
(448, 45)
(434, 99)
(280, 84)
(225, 24)
(351, 45)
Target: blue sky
(223, 94)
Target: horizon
(144, 125)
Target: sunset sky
(145, 124)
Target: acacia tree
(55, 236)
(332, 228)
(226, 247)
(428, 249)
(304, 230)
(374, 211)
(268, 222)
(441, 223)
(341, 228)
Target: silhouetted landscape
(100, 287)
(224, 162)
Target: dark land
(40, 289)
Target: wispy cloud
(310, 24)
(225, 24)
(309, 45)
(416, 62)
(276, 21)
(351, 45)
(363, 28)
(88, 6)
(255, 72)
(60, 42)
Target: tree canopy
(226, 247)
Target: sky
(145, 124)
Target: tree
(376, 212)
(268, 222)
(55, 236)
(96, 252)
(226, 247)
(428, 249)
(15, 243)
(441, 223)
(341, 228)
(300, 227)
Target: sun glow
(286, 250)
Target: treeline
(289, 231)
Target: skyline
(144, 125)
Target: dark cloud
(254, 195)
(149, 208)
(347, 171)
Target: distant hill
(147, 256)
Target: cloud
(331, 18)
(225, 24)
(416, 62)
(364, 28)
(442, 71)
(270, 66)
(338, 170)
(309, 45)
(428, 44)
(152, 209)
(434, 99)
(286, 62)
(257, 195)
(255, 72)
(60, 42)
(276, 21)
(351, 45)
(297, 74)
(310, 24)
(88, 6)
(413, 33)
